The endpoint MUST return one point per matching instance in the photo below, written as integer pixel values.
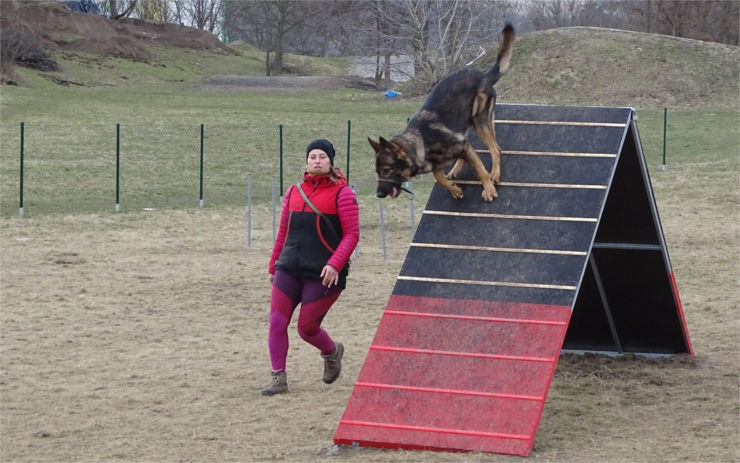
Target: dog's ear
(394, 148)
(386, 143)
(398, 151)
(374, 144)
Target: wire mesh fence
(85, 168)
(50, 168)
(94, 168)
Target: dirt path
(142, 337)
(288, 82)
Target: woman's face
(318, 162)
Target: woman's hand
(330, 276)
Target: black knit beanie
(323, 145)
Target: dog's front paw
(489, 194)
(456, 192)
(496, 177)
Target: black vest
(310, 241)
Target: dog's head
(392, 166)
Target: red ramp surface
(462, 375)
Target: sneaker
(278, 383)
(333, 364)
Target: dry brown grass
(142, 337)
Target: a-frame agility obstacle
(571, 255)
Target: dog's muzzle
(390, 188)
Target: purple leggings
(316, 300)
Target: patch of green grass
(692, 136)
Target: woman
(319, 229)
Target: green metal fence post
(118, 166)
(281, 163)
(20, 207)
(349, 130)
(665, 126)
(200, 203)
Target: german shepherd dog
(437, 134)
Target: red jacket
(305, 242)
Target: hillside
(559, 66)
(580, 65)
(60, 30)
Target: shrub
(21, 47)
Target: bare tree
(358, 27)
(703, 19)
(442, 34)
(554, 13)
(673, 15)
(330, 28)
(385, 38)
(155, 10)
(127, 9)
(201, 14)
(22, 45)
(725, 28)
(267, 24)
(646, 13)
(439, 35)
(714, 20)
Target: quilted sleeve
(349, 218)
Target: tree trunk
(277, 65)
(378, 72)
(114, 9)
(387, 71)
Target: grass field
(141, 335)
(160, 143)
(70, 165)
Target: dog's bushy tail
(504, 54)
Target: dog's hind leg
(455, 191)
(489, 191)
